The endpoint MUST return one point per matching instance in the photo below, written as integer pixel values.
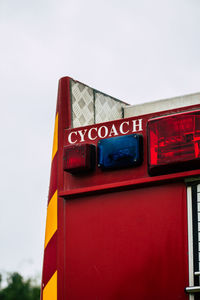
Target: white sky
(136, 51)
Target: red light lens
(174, 143)
(79, 158)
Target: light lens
(79, 158)
(120, 152)
(174, 143)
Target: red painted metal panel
(127, 245)
(124, 244)
(64, 108)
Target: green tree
(19, 289)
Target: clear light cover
(120, 152)
(174, 143)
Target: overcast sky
(136, 51)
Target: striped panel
(49, 256)
(53, 178)
(51, 222)
(50, 290)
(55, 139)
(49, 276)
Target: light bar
(120, 152)
(174, 143)
(79, 158)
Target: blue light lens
(120, 152)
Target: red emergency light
(174, 143)
(79, 158)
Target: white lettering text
(137, 125)
(100, 132)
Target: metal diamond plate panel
(82, 104)
(107, 108)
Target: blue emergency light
(120, 152)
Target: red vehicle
(123, 216)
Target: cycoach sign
(105, 131)
(76, 138)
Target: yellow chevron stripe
(51, 221)
(55, 139)
(50, 290)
